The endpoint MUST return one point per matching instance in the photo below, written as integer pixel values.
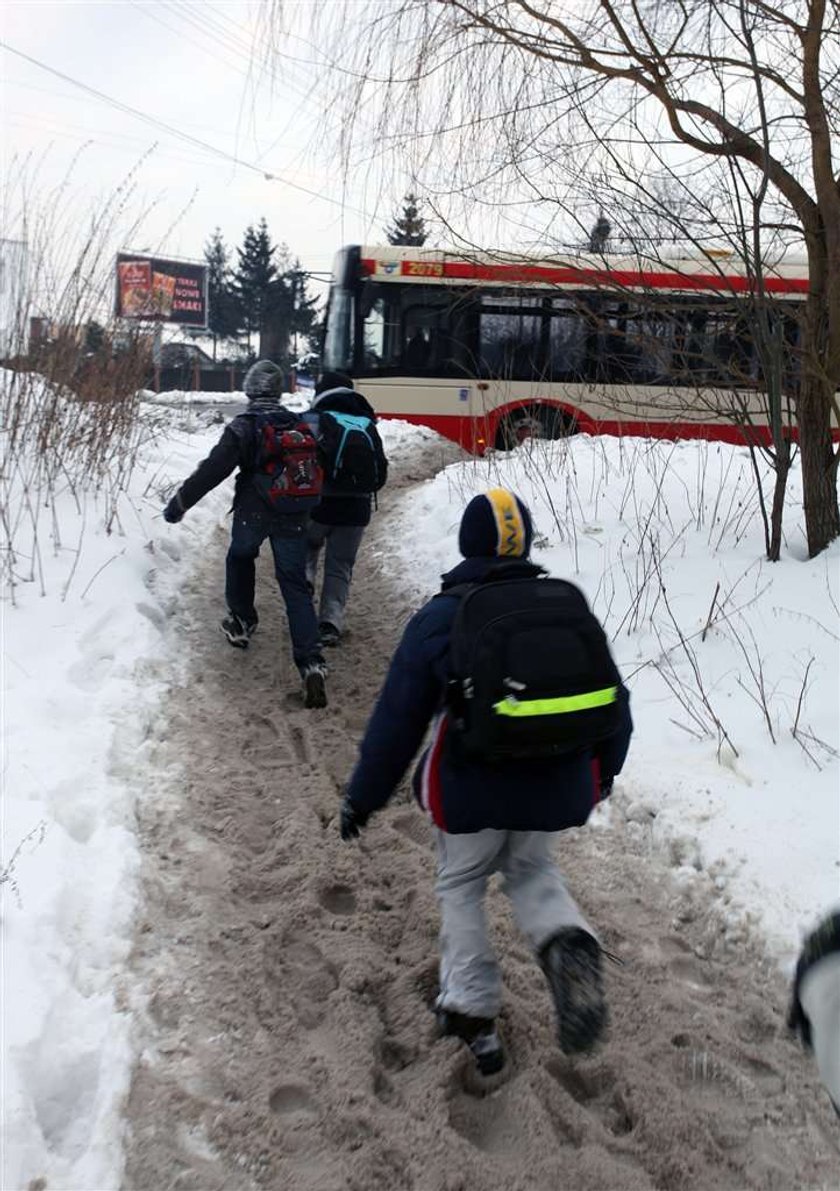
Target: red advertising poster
(162, 290)
(134, 279)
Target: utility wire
(184, 136)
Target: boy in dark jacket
(489, 817)
(338, 523)
(253, 522)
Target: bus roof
(716, 270)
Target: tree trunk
(813, 410)
(774, 546)
(819, 464)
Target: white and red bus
(490, 349)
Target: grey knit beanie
(263, 379)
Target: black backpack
(287, 469)
(353, 453)
(531, 671)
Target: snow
(300, 400)
(752, 822)
(82, 675)
(179, 398)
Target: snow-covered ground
(751, 816)
(180, 398)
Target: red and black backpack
(287, 470)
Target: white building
(13, 329)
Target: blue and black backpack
(353, 454)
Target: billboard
(168, 291)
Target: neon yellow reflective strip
(526, 707)
(509, 523)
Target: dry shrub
(69, 410)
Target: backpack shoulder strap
(458, 590)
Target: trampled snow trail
(286, 978)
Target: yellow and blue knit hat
(496, 524)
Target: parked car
(173, 355)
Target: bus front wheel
(538, 421)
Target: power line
(184, 136)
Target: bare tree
(729, 353)
(532, 93)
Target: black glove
(174, 511)
(352, 820)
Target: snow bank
(80, 686)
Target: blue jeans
(287, 535)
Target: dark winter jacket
(236, 448)
(539, 795)
(338, 508)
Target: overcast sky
(189, 64)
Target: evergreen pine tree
(409, 226)
(255, 277)
(304, 310)
(224, 316)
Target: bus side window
(566, 341)
(649, 343)
(732, 351)
(509, 344)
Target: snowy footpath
(203, 988)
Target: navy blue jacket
(337, 508)
(539, 795)
(235, 448)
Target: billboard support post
(157, 351)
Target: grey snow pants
(470, 981)
(342, 545)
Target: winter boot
(480, 1035)
(314, 685)
(571, 961)
(329, 635)
(238, 631)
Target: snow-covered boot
(314, 685)
(571, 961)
(238, 631)
(480, 1035)
(328, 634)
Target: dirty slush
(283, 981)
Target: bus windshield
(338, 341)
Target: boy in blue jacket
(489, 817)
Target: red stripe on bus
(569, 275)
(477, 434)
